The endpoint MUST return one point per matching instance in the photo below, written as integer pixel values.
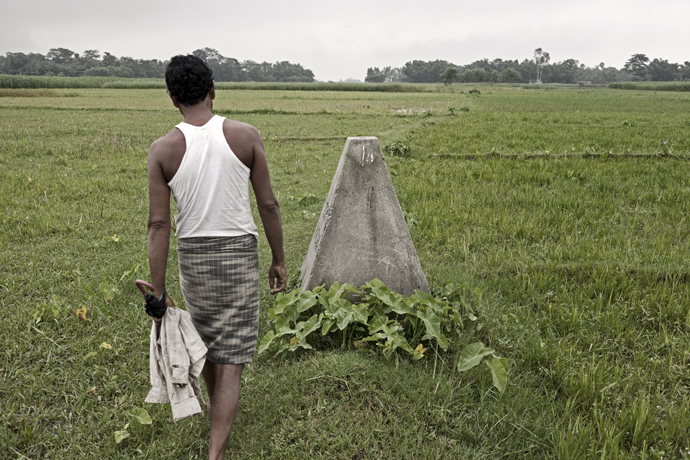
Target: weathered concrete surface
(362, 234)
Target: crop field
(560, 216)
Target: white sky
(341, 40)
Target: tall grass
(367, 87)
(24, 81)
(652, 86)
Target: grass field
(562, 214)
(653, 86)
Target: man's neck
(198, 114)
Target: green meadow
(559, 215)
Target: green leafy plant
(108, 291)
(473, 355)
(380, 317)
(307, 199)
(399, 148)
(140, 415)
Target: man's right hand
(168, 304)
(277, 277)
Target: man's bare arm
(269, 211)
(159, 219)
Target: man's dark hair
(188, 79)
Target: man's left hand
(277, 277)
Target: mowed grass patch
(548, 122)
(574, 269)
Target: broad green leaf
(282, 326)
(394, 342)
(377, 324)
(305, 301)
(299, 341)
(433, 326)
(472, 355)
(311, 325)
(379, 291)
(375, 337)
(283, 301)
(377, 311)
(499, 372)
(403, 307)
(290, 313)
(121, 436)
(332, 295)
(266, 342)
(326, 326)
(141, 415)
(344, 316)
(360, 313)
(424, 298)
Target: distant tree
(495, 76)
(60, 55)
(109, 60)
(208, 55)
(450, 75)
(609, 75)
(393, 74)
(565, 71)
(637, 65)
(425, 72)
(541, 58)
(662, 70)
(374, 75)
(285, 71)
(511, 75)
(685, 71)
(474, 75)
(92, 54)
(230, 69)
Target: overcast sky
(341, 40)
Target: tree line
(65, 62)
(538, 69)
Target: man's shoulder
(240, 130)
(171, 142)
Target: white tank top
(211, 186)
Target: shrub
(398, 148)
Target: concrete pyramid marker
(361, 234)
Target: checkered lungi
(219, 277)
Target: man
(207, 162)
